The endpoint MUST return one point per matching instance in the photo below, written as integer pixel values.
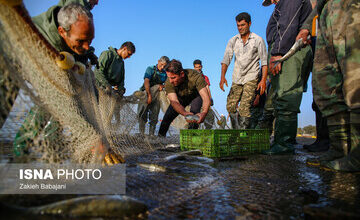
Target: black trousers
(171, 114)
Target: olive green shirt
(189, 88)
(47, 25)
(81, 2)
(111, 71)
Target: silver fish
(108, 206)
(152, 167)
(192, 118)
(182, 155)
(295, 48)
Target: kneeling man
(184, 87)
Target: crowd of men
(256, 98)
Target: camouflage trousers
(336, 73)
(243, 93)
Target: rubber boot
(266, 121)
(351, 162)
(234, 118)
(322, 142)
(244, 122)
(339, 130)
(285, 133)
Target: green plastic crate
(225, 143)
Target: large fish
(295, 48)
(152, 167)
(192, 118)
(108, 206)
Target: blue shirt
(150, 72)
(285, 23)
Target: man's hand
(277, 69)
(108, 156)
(261, 86)
(303, 34)
(119, 92)
(202, 116)
(222, 81)
(149, 99)
(161, 87)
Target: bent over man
(184, 87)
(72, 31)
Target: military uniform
(187, 93)
(336, 80)
(151, 110)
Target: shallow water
(257, 187)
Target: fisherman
(13, 89)
(184, 87)
(89, 5)
(110, 75)
(69, 29)
(209, 120)
(154, 75)
(249, 49)
(336, 80)
(287, 79)
(322, 141)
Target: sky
(184, 30)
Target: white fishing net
(69, 117)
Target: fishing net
(55, 114)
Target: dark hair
(197, 62)
(243, 16)
(129, 45)
(174, 66)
